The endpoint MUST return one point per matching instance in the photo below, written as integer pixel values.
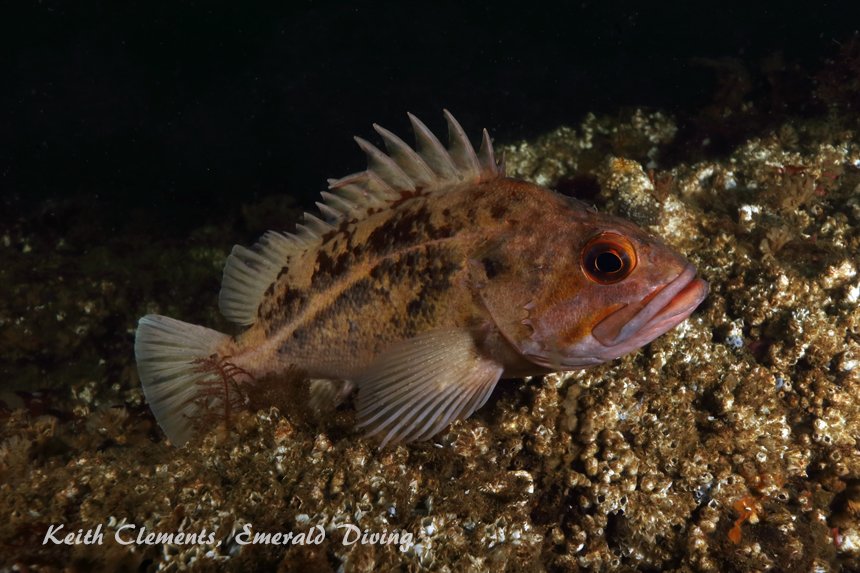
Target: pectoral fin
(418, 386)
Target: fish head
(625, 290)
(595, 287)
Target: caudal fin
(168, 356)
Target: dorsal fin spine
(405, 157)
(354, 194)
(460, 150)
(371, 185)
(385, 167)
(304, 232)
(432, 151)
(332, 215)
(297, 242)
(317, 224)
(489, 168)
(340, 204)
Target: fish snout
(637, 324)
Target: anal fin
(418, 386)
(327, 394)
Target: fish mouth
(637, 324)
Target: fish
(421, 282)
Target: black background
(189, 109)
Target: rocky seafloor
(728, 444)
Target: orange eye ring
(608, 258)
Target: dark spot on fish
(324, 323)
(290, 299)
(362, 292)
(398, 267)
(328, 268)
(266, 295)
(437, 233)
(300, 339)
(324, 266)
(491, 267)
(344, 260)
(413, 308)
(284, 270)
(403, 230)
(282, 310)
(340, 229)
(435, 277)
(413, 261)
(498, 211)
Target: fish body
(432, 277)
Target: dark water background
(186, 110)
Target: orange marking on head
(582, 328)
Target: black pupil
(608, 262)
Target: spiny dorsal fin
(428, 167)
(461, 150)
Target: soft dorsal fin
(249, 272)
(428, 167)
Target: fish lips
(638, 324)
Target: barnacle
(108, 420)
(776, 238)
(787, 136)
(14, 453)
(797, 188)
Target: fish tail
(169, 355)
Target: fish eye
(608, 258)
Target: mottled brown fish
(431, 277)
